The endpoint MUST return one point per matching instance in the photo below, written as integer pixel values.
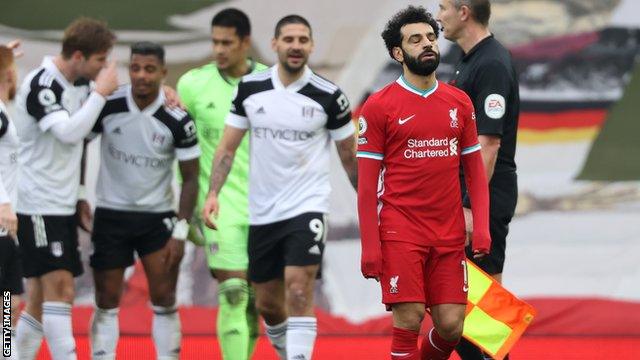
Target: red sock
(404, 345)
(436, 348)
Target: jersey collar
(424, 93)
(294, 86)
(48, 64)
(149, 110)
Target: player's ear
(464, 12)
(77, 56)
(273, 44)
(397, 54)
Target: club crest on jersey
(307, 111)
(394, 284)
(362, 125)
(157, 139)
(453, 114)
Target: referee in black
(486, 73)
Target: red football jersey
(420, 137)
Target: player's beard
(293, 69)
(422, 68)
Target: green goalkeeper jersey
(207, 94)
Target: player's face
(91, 66)
(146, 73)
(449, 19)
(293, 46)
(419, 50)
(229, 49)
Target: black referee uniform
(486, 73)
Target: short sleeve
(44, 104)
(185, 139)
(339, 116)
(493, 88)
(371, 131)
(237, 116)
(469, 142)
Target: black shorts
(504, 197)
(298, 241)
(49, 243)
(10, 266)
(117, 234)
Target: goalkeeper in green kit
(207, 92)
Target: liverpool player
(414, 133)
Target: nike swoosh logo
(402, 121)
(465, 288)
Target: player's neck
(474, 33)
(143, 101)
(420, 82)
(65, 67)
(237, 71)
(4, 92)
(287, 78)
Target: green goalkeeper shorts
(226, 248)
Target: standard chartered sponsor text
(430, 148)
(141, 161)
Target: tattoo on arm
(221, 168)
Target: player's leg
(402, 284)
(112, 254)
(29, 330)
(266, 273)
(152, 249)
(11, 281)
(58, 261)
(303, 248)
(228, 260)
(446, 295)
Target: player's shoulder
(381, 97)
(41, 78)
(255, 82)
(257, 76)
(453, 93)
(116, 102)
(171, 116)
(258, 66)
(323, 84)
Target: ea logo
(495, 106)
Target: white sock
(104, 333)
(301, 335)
(277, 335)
(166, 332)
(28, 336)
(56, 322)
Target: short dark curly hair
(411, 15)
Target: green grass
(120, 14)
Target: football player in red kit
(414, 134)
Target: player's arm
(476, 181)
(341, 130)
(45, 104)
(8, 219)
(370, 155)
(83, 209)
(222, 162)
(189, 170)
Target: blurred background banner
(574, 246)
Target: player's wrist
(82, 193)
(180, 230)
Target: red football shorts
(423, 274)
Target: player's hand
(481, 243)
(175, 251)
(171, 98)
(468, 225)
(14, 45)
(210, 211)
(196, 235)
(107, 79)
(84, 215)
(8, 220)
(371, 263)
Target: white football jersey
(8, 157)
(291, 131)
(137, 152)
(49, 169)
